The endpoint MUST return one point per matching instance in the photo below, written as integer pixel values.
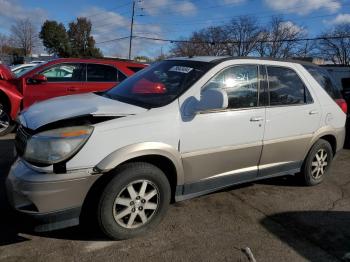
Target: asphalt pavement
(278, 219)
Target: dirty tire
(128, 193)
(317, 163)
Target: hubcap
(136, 204)
(319, 164)
(4, 120)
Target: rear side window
(103, 73)
(325, 80)
(286, 87)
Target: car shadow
(329, 230)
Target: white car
(178, 129)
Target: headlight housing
(54, 146)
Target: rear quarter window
(325, 80)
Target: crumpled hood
(66, 107)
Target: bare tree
(24, 36)
(337, 50)
(243, 33)
(4, 42)
(279, 39)
(208, 41)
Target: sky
(169, 19)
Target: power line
(113, 40)
(131, 27)
(237, 42)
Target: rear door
(102, 77)
(62, 79)
(292, 116)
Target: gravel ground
(278, 219)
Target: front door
(291, 119)
(62, 79)
(220, 147)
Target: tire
(317, 163)
(6, 124)
(124, 213)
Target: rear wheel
(134, 201)
(6, 125)
(317, 163)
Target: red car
(59, 77)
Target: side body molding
(143, 149)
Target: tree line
(244, 36)
(76, 41)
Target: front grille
(22, 137)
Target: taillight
(343, 105)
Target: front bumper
(52, 201)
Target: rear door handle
(256, 119)
(313, 112)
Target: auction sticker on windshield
(181, 69)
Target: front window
(65, 73)
(160, 84)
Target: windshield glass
(160, 84)
(26, 70)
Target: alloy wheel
(136, 204)
(319, 164)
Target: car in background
(20, 69)
(59, 77)
(341, 76)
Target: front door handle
(256, 119)
(313, 112)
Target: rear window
(325, 80)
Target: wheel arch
(13, 100)
(162, 155)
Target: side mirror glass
(37, 79)
(211, 99)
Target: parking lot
(278, 219)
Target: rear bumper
(50, 201)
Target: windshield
(25, 70)
(160, 84)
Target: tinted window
(286, 87)
(159, 84)
(103, 73)
(240, 83)
(135, 69)
(325, 80)
(65, 73)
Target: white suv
(178, 129)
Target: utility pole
(131, 27)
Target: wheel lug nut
(131, 203)
(133, 210)
(143, 201)
(138, 197)
(140, 208)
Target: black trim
(192, 190)
(43, 222)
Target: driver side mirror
(211, 99)
(38, 79)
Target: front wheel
(6, 125)
(317, 163)
(134, 201)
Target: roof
(220, 59)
